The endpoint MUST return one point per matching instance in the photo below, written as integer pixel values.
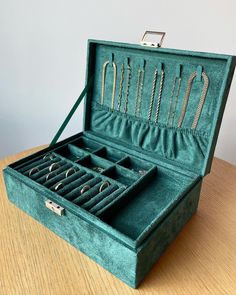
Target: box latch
(145, 42)
(54, 207)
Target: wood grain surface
(202, 260)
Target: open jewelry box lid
(127, 122)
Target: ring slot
(42, 166)
(85, 188)
(89, 204)
(70, 185)
(34, 163)
(58, 186)
(74, 192)
(104, 185)
(63, 168)
(33, 171)
(48, 156)
(60, 177)
(28, 165)
(50, 175)
(54, 166)
(39, 174)
(43, 172)
(99, 207)
(81, 199)
(70, 172)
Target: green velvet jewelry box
(121, 190)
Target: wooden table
(202, 260)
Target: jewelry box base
(128, 265)
(109, 240)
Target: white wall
(43, 53)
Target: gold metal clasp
(144, 41)
(54, 207)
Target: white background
(43, 55)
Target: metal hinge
(54, 207)
(144, 42)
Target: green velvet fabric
(183, 146)
(133, 204)
(101, 243)
(154, 170)
(166, 231)
(192, 149)
(96, 243)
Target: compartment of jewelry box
(138, 166)
(110, 154)
(75, 182)
(95, 163)
(87, 144)
(128, 214)
(125, 176)
(72, 152)
(41, 167)
(85, 185)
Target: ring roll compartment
(76, 192)
(98, 208)
(60, 177)
(59, 173)
(82, 198)
(41, 166)
(99, 196)
(36, 162)
(67, 180)
(70, 184)
(44, 171)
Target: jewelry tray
(150, 151)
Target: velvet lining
(185, 146)
(190, 148)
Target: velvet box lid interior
(189, 148)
